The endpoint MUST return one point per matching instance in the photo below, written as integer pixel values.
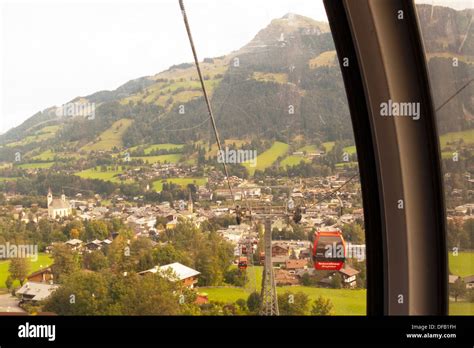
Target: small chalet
(280, 249)
(284, 277)
(44, 275)
(349, 276)
(34, 292)
(293, 265)
(74, 244)
(176, 272)
(469, 281)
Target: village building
(294, 265)
(280, 249)
(176, 272)
(34, 292)
(349, 276)
(44, 275)
(58, 207)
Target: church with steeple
(58, 207)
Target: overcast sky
(53, 51)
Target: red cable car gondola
(243, 263)
(329, 250)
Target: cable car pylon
(269, 298)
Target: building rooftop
(36, 291)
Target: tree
(66, 261)
(235, 277)
(167, 254)
(458, 289)
(253, 302)
(149, 295)
(119, 255)
(82, 293)
(242, 305)
(322, 306)
(307, 279)
(93, 293)
(293, 304)
(96, 229)
(95, 261)
(19, 269)
(74, 233)
(9, 282)
(336, 281)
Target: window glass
(447, 32)
(111, 172)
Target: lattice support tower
(269, 305)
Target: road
(9, 304)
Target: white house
(176, 272)
(33, 291)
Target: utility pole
(269, 305)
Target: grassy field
(329, 145)
(345, 302)
(3, 179)
(36, 165)
(43, 261)
(270, 77)
(157, 147)
(309, 149)
(349, 164)
(160, 92)
(95, 173)
(293, 160)
(463, 264)
(173, 158)
(267, 158)
(212, 151)
(183, 182)
(111, 138)
(39, 136)
(327, 58)
(461, 308)
(467, 136)
(49, 155)
(350, 150)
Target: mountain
(284, 84)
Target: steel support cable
(337, 190)
(455, 94)
(206, 97)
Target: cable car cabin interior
(329, 250)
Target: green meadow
(43, 165)
(462, 264)
(267, 158)
(147, 149)
(466, 136)
(111, 175)
(329, 145)
(43, 134)
(110, 138)
(183, 182)
(173, 158)
(293, 160)
(44, 260)
(350, 150)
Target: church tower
(50, 196)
